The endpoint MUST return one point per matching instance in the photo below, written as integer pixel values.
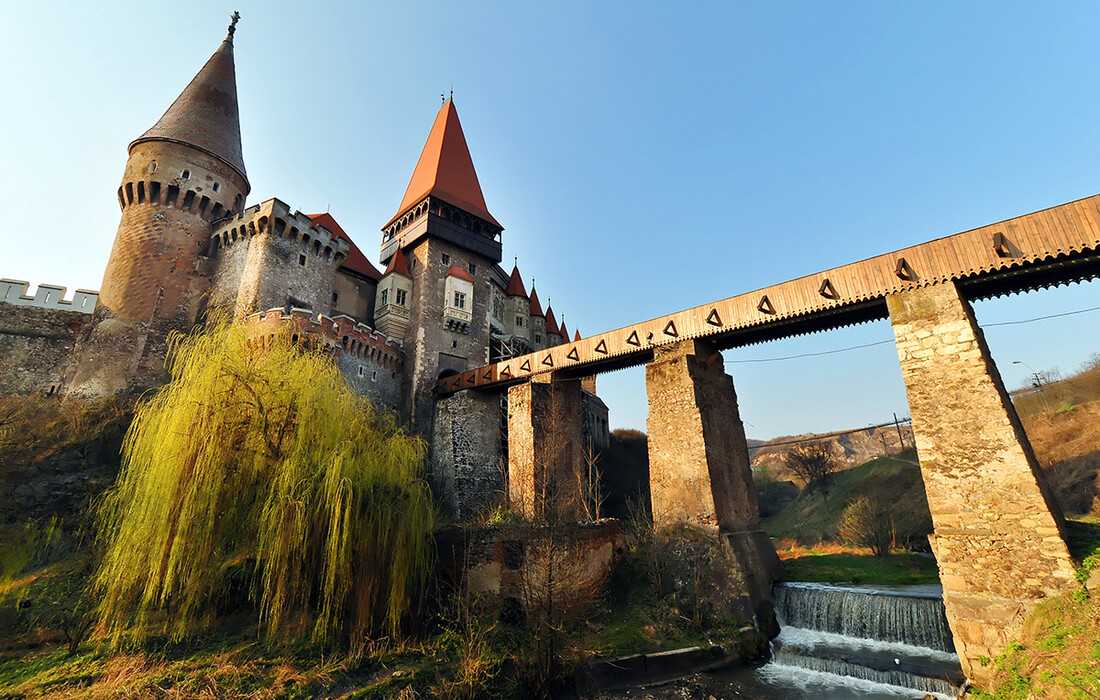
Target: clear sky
(643, 157)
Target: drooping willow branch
(264, 455)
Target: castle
(187, 240)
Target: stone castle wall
(289, 261)
(371, 363)
(37, 342)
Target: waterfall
(892, 636)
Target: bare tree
(867, 523)
(814, 463)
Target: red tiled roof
(398, 264)
(536, 307)
(445, 170)
(515, 284)
(551, 322)
(458, 272)
(563, 331)
(356, 262)
(576, 336)
(204, 115)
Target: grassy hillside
(894, 481)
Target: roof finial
(442, 97)
(515, 261)
(233, 24)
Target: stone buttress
(998, 532)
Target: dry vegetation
(1066, 438)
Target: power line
(1041, 318)
(810, 354)
(884, 342)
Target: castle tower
(182, 174)
(450, 241)
(519, 306)
(539, 341)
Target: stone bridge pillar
(699, 471)
(466, 452)
(998, 538)
(547, 469)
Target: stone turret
(519, 306)
(539, 341)
(181, 175)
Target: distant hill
(853, 447)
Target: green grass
(901, 568)
(897, 483)
(1056, 656)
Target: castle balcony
(457, 319)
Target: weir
(895, 637)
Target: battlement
(342, 334)
(275, 218)
(47, 296)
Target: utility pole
(901, 440)
(1037, 382)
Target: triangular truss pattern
(488, 376)
(827, 290)
(713, 318)
(904, 270)
(1001, 246)
(765, 305)
(526, 366)
(548, 360)
(633, 339)
(506, 372)
(574, 355)
(602, 348)
(670, 329)
(470, 379)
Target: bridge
(998, 534)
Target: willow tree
(257, 456)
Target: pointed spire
(205, 116)
(536, 307)
(515, 284)
(551, 322)
(445, 169)
(398, 265)
(576, 335)
(563, 331)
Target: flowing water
(843, 643)
(855, 642)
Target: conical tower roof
(551, 322)
(536, 307)
(515, 284)
(205, 116)
(398, 265)
(445, 170)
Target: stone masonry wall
(698, 458)
(546, 448)
(468, 475)
(35, 347)
(997, 536)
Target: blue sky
(643, 157)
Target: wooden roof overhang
(1045, 248)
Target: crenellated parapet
(275, 218)
(47, 296)
(343, 335)
(269, 256)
